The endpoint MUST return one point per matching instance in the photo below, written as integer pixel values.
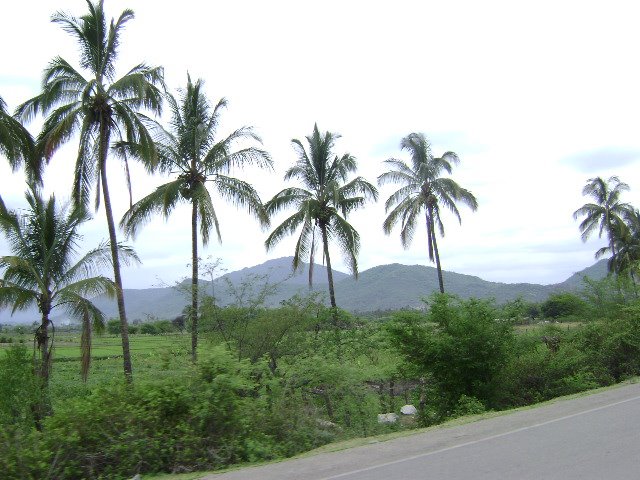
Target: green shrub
(468, 406)
(20, 394)
(562, 305)
(149, 329)
(462, 347)
(113, 326)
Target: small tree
(461, 346)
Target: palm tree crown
(423, 190)
(322, 204)
(607, 212)
(192, 152)
(100, 107)
(16, 143)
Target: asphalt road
(591, 437)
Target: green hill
(386, 287)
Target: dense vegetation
(270, 383)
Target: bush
(562, 305)
(614, 345)
(113, 326)
(463, 348)
(178, 425)
(20, 394)
(149, 329)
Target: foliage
(191, 149)
(614, 344)
(563, 305)
(17, 145)
(606, 298)
(606, 214)
(19, 389)
(460, 345)
(423, 190)
(519, 311)
(42, 270)
(99, 107)
(321, 205)
(20, 400)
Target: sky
(534, 97)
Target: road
(590, 437)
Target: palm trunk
(113, 243)
(42, 407)
(332, 294)
(437, 256)
(434, 255)
(42, 341)
(194, 282)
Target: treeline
(275, 382)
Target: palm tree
(16, 143)
(626, 245)
(42, 271)
(322, 204)
(192, 151)
(423, 189)
(607, 213)
(98, 107)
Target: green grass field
(154, 357)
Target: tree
(98, 108)
(192, 150)
(322, 205)
(17, 144)
(626, 243)
(423, 190)
(606, 214)
(459, 343)
(42, 271)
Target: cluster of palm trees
(619, 221)
(109, 116)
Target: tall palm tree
(192, 152)
(423, 189)
(321, 205)
(17, 144)
(606, 214)
(100, 107)
(43, 271)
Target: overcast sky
(534, 97)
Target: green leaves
(42, 270)
(323, 202)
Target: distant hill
(596, 271)
(395, 286)
(385, 287)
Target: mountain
(395, 286)
(596, 271)
(385, 287)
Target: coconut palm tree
(607, 213)
(192, 152)
(321, 205)
(423, 190)
(626, 244)
(43, 271)
(99, 107)
(17, 144)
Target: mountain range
(385, 287)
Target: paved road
(591, 437)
